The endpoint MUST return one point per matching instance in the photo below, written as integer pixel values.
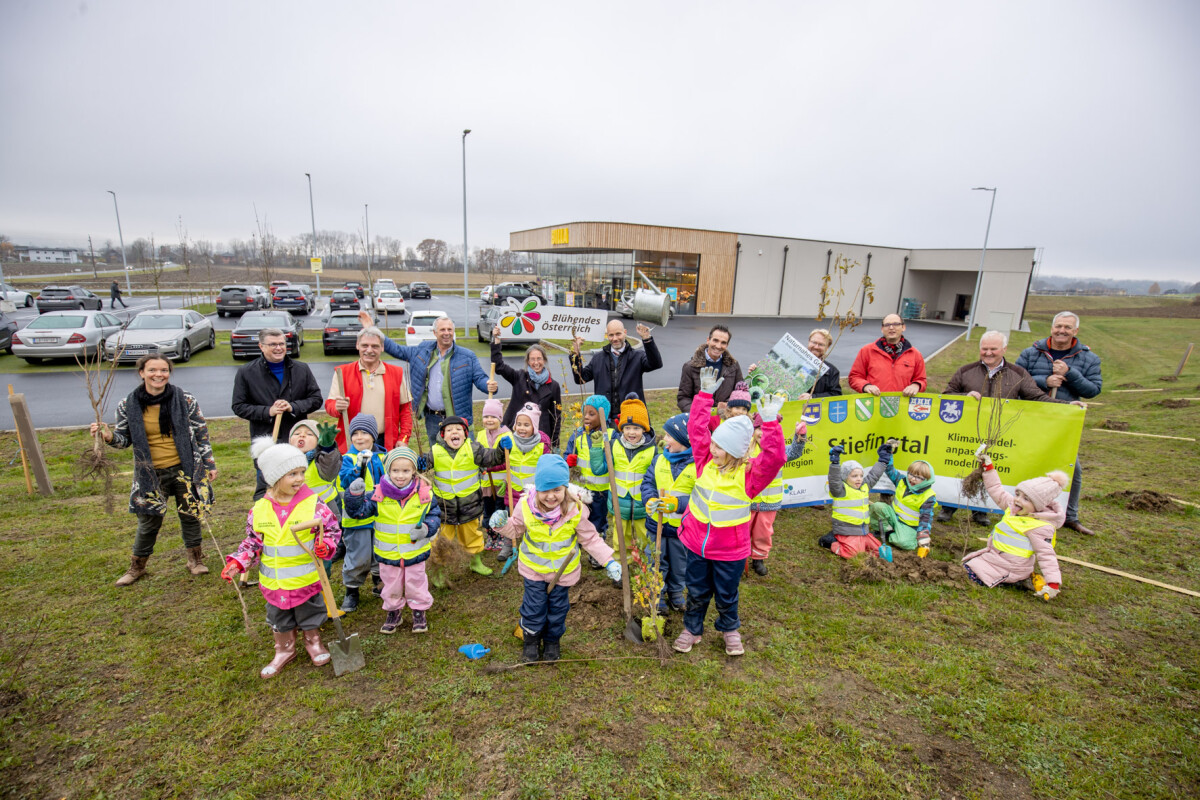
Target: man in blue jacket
(1066, 370)
(441, 375)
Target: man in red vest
(372, 387)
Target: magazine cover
(788, 367)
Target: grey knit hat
(364, 422)
(734, 435)
(850, 466)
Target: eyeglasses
(274, 345)
(893, 324)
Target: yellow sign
(560, 236)
(315, 265)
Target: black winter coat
(461, 510)
(689, 379)
(829, 384)
(627, 372)
(255, 390)
(547, 397)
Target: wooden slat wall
(717, 249)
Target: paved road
(59, 398)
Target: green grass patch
(846, 690)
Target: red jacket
(874, 366)
(397, 416)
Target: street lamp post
(121, 236)
(982, 256)
(367, 226)
(312, 250)
(466, 252)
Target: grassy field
(848, 689)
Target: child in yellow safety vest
(850, 489)
(529, 444)
(494, 484)
(1024, 536)
(318, 442)
(632, 445)
(456, 463)
(551, 525)
(668, 485)
(406, 520)
(583, 446)
(905, 522)
(716, 525)
(766, 505)
(287, 576)
(360, 466)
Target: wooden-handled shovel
(346, 653)
(626, 596)
(245, 576)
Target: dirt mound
(905, 567)
(1169, 378)
(1115, 425)
(1129, 386)
(1174, 402)
(1146, 500)
(596, 603)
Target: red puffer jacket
(874, 366)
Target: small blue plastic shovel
(474, 651)
(885, 549)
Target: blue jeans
(1076, 487)
(544, 614)
(712, 580)
(359, 554)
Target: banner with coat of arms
(944, 430)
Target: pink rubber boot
(285, 651)
(316, 650)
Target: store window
(600, 279)
(677, 274)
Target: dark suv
(292, 298)
(67, 298)
(343, 300)
(420, 289)
(243, 341)
(240, 298)
(517, 291)
(357, 287)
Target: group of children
(715, 486)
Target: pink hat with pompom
(533, 412)
(1044, 491)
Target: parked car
(420, 326)
(243, 341)
(389, 300)
(275, 286)
(242, 297)
(16, 296)
(171, 333)
(65, 298)
(419, 289)
(8, 327)
(383, 285)
(64, 334)
(357, 288)
(485, 294)
(292, 298)
(490, 319)
(343, 300)
(341, 333)
(517, 291)
(625, 305)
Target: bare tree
(267, 248)
(433, 253)
(392, 246)
(185, 259)
(155, 266)
(202, 250)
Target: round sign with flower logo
(520, 319)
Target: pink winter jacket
(727, 543)
(585, 532)
(994, 567)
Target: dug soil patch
(1176, 402)
(1146, 500)
(1129, 386)
(905, 568)
(1115, 425)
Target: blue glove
(835, 453)
(424, 463)
(498, 520)
(357, 487)
(505, 443)
(885, 452)
(613, 569)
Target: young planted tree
(847, 319)
(266, 248)
(95, 462)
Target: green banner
(945, 430)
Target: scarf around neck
(682, 455)
(538, 378)
(527, 443)
(163, 401)
(394, 492)
(548, 517)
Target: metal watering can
(651, 305)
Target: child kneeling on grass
(906, 520)
(287, 575)
(850, 491)
(716, 526)
(1024, 536)
(406, 520)
(552, 525)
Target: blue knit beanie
(364, 422)
(676, 428)
(552, 472)
(601, 404)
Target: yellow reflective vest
(285, 565)
(908, 504)
(544, 549)
(674, 487)
(1011, 534)
(719, 498)
(393, 522)
(494, 479)
(773, 493)
(326, 490)
(455, 475)
(354, 522)
(581, 444)
(851, 509)
(522, 465)
(629, 472)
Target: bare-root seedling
(95, 463)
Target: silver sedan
(170, 333)
(64, 334)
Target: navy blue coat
(465, 372)
(1083, 378)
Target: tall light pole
(982, 256)
(367, 226)
(312, 250)
(121, 236)
(466, 252)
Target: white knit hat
(734, 435)
(276, 460)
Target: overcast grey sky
(859, 122)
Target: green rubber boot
(477, 565)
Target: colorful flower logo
(522, 317)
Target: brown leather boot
(137, 568)
(195, 563)
(285, 651)
(316, 650)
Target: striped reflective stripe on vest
(908, 504)
(679, 487)
(583, 454)
(286, 566)
(393, 528)
(544, 549)
(325, 490)
(1011, 534)
(704, 499)
(772, 494)
(852, 508)
(455, 481)
(356, 522)
(283, 551)
(283, 573)
(523, 465)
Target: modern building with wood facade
(739, 274)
